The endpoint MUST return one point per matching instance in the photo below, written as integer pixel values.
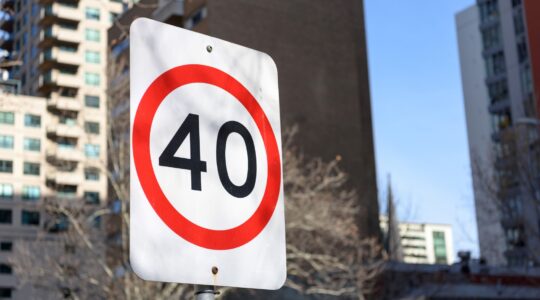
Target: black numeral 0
(196, 166)
(245, 189)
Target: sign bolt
(215, 270)
(209, 48)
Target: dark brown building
(320, 49)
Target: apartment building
(424, 243)
(23, 176)
(55, 52)
(500, 64)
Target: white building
(424, 243)
(479, 129)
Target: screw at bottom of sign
(215, 270)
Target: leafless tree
(325, 255)
(508, 180)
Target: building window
(91, 101)
(5, 216)
(30, 218)
(91, 197)
(68, 48)
(92, 13)
(439, 247)
(91, 150)
(58, 223)
(68, 120)
(66, 191)
(67, 70)
(91, 127)
(491, 37)
(7, 117)
(31, 168)
(6, 191)
(65, 143)
(6, 141)
(5, 269)
(92, 57)
(31, 144)
(5, 292)
(495, 64)
(31, 192)
(6, 166)
(6, 246)
(32, 120)
(488, 9)
(91, 174)
(92, 35)
(519, 24)
(91, 78)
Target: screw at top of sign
(209, 48)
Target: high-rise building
(424, 243)
(23, 177)
(500, 66)
(320, 51)
(55, 141)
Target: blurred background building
(500, 65)
(53, 144)
(423, 243)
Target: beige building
(53, 144)
(22, 177)
(424, 243)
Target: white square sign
(206, 172)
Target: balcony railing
(56, 12)
(64, 130)
(57, 153)
(64, 103)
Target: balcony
(56, 35)
(54, 57)
(57, 153)
(64, 103)
(64, 130)
(56, 12)
(499, 106)
(54, 79)
(64, 178)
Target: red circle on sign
(144, 116)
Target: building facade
(55, 52)
(501, 101)
(424, 243)
(22, 178)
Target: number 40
(190, 127)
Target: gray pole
(205, 292)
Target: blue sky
(418, 112)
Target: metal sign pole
(205, 292)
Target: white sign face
(206, 173)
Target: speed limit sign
(206, 181)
